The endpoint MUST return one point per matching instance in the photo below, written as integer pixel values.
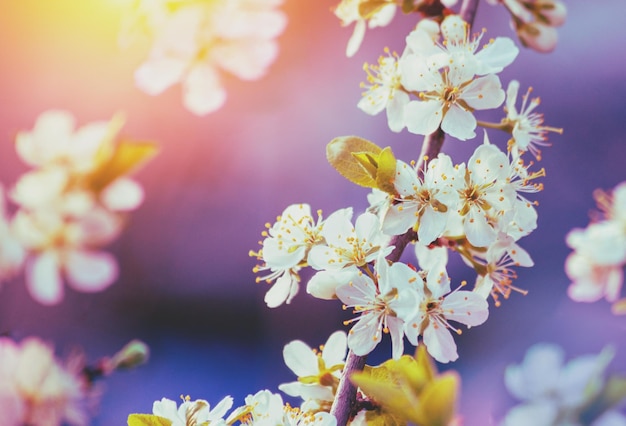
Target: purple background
(187, 286)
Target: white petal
(423, 117)
(459, 123)
(356, 39)
(432, 225)
(248, 58)
(123, 194)
(478, 231)
(43, 278)
(323, 284)
(300, 358)
(90, 271)
(282, 291)
(484, 92)
(440, 343)
(203, 92)
(497, 55)
(220, 409)
(365, 335)
(156, 75)
(395, 110)
(334, 351)
(466, 307)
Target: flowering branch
(344, 402)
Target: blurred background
(186, 285)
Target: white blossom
(194, 42)
(383, 306)
(192, 413)
(37, 389)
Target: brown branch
(344, 404)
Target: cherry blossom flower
(556, 393)
(346, 245)
(195, 42)
(286, 249)
(66, 249)
(384, 91)
(37, 389)
(423, 203)
(348, 12)
(318, 371)
(535, 21)
(438, 306)
(498, 276)
(383, 306)
(446, 99)
(266, 409)
(596, 265)
(486, 193)
(197, 412)
(528, 130)
(451, 80)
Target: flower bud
(454, 28)
(134, 353)
(537, 36)
(554, 12)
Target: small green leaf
(378, 418)
(368, 162)
(385, 392)
(340, 153)
(125, 158)
(368, 8)
(437, 404)
(386, 174)
(147, 420)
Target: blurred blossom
(193, 42)
(555, 393)
(596, 267)
(535, 21)
(36, 389)
(192, 412)
(70, 204)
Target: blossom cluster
(478, 210)
(194, 42)
(558, 393)
(534, 21)
(261, 409)
(596, 266)
(37, 389)
(70, 204)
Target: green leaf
(124, 158)
(382, 388)
(386, 174)
(437, 404)
(340, 153)
(147, 420)
(377, 418)
(368, 162)
(368, 8)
